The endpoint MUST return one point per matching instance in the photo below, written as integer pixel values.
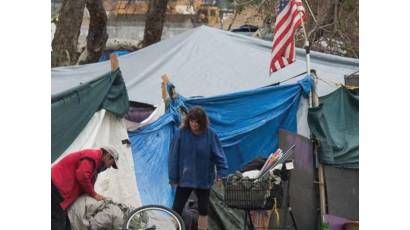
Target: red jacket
(76, 174)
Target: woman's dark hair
(197, 114)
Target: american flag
(290, 16)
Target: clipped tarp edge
(72, 110)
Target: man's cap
(114, 153)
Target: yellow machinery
(207, 15)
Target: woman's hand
(173, 184)
(218, 182)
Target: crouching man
(75, 175)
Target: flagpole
(306, 46)
(314, 102)
(313, 97)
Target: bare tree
(154, 22)
(233, 20)
(68, 26)
(336, 28)
(97, 32)
(265, 9)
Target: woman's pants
(182, 195)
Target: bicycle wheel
(154, 217)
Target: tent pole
(306, 46)
(322, 194)
(314, 102)
(307, 51)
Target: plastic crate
(250, 194)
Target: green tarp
(72, 110)
(335, 124)
(222, 217)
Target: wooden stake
(165, 80)
(314, 102)
(114, 62)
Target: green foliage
(324, 226)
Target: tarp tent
(202, 62)
(335, 124)
(89, 116)
(246, 122)
(72, 109)
(205, 62)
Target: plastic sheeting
(150, 148)
(138, 114)
(120, 185)
(88, 214)
(106, 54)
(155, 115)
(222, 217)
(335, 124)
(206, 61)
(246, 122)
(335, 222)
(71, 110)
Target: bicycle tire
(175, 216)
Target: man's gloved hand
(99, 197)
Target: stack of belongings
(244, 192)
(258, 187)
(86, 213)
(272, 159)
(275, 162)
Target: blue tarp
(150, 147)
(106, 54)
(246, 122)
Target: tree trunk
(97, 32)
(154, 21)
(68, 27)
(233, 20)
(335, 14)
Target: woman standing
(195, 154)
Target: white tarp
(119, 185)
(205, 62)
(88, 214)
(301, 116)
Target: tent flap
(247, 123)
(150, 146)
(335, 124)
(71, 110)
